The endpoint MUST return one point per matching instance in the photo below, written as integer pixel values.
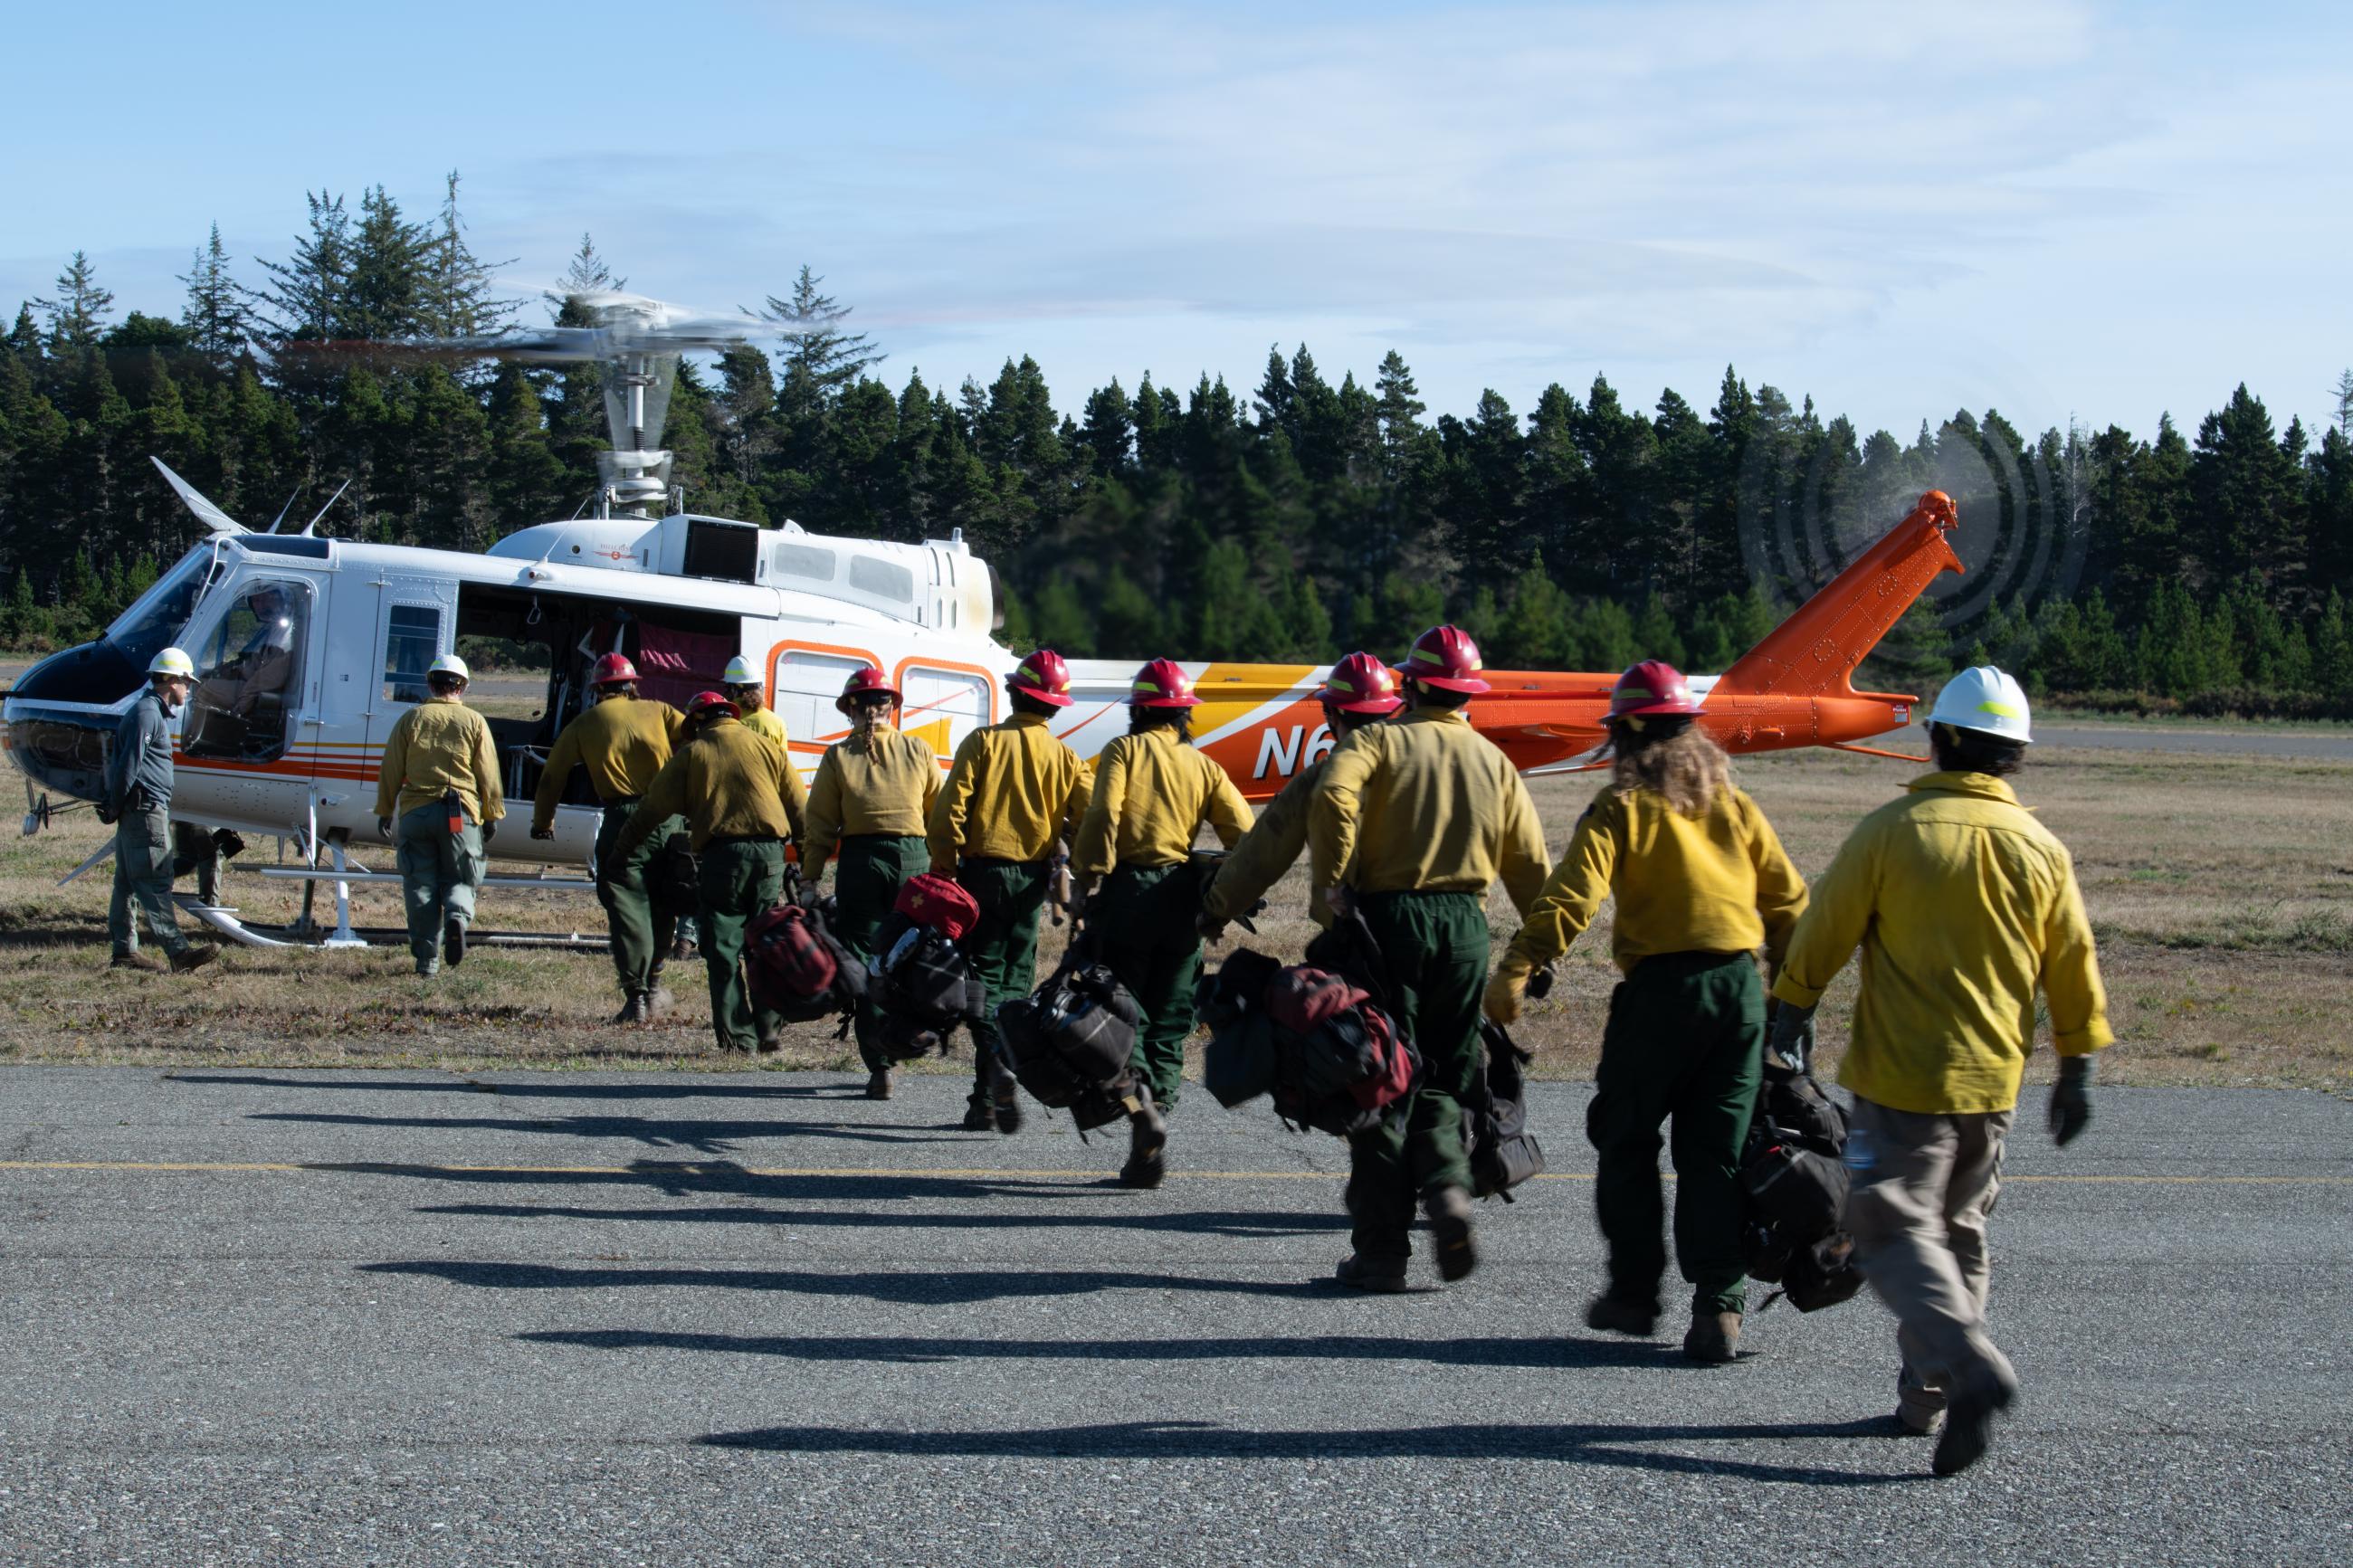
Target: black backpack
(924, 986)
(1793, 1170)
(674, 878)
(1069, 1042)
(1503, 1153)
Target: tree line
(1304, 518)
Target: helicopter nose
(60, 717)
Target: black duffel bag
(1503, 1153)
(923, 985)
(674, 878)
(1068, 1042)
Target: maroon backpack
(795, 966)
(1340, 1062)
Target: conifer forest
(2202, 566)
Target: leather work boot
(1381, 1276)
(138, 961)
(1007, 1093)
(1969, 1424)
(1148, 1144)
(636, 1010)
(1450, 1228)
(1618, 1315)
(453, 943)
(681, 951)
(771, 1042)
(189, 958)
(1713, 1338)
(658, 1001)
(879, 1084)
(980, 1114)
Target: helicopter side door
(413, 621)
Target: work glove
(1791, 1031)
(1340, 901)
(1211, 929)
(383, 827)
(543, 833)
(2070, 1099)
(1502, 1003)
(489, 831)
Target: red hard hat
(1162, 684)
(864, 681)
(1445, 657)
(1044, 676)
(1362, 684)
(612, 668)
(1653, 688)
(707, 704)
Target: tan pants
(1917, 1214)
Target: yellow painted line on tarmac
(978, 1172)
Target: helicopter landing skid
(221, 919)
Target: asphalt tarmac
(409, 1318)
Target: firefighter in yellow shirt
(868, 806)
(742, 684)
(622, 740)
(741, 803)
(1425, 813)
(1360, 691)
(1964, 906)
(1701, 880)
(1010, 799)
(1151, 794)
(439, 778)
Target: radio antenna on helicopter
(313, 523)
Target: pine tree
(78, 312)
(815, 345)
(456, 297)
(2344, 394)
(308, 291)
(587, 274)
(384, 296)
(1397, 402)
(218, 316)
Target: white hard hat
(173, 661)
(1986, 701)
(450, 664)
(740, 673)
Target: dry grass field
(2222, 889)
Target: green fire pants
(1002, 948)
(1434, 947)
(640, 934)
(1685, 1041)
(1142, 921)
(740, 878)
(439, 873)
(867, 871)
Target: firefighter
(1425, 813)
(1701, 880)
(741, 803)
(742, 685)
(623, 740)
(439, 778)
(139, 803)
(867, 810)
(996, 826)
(1963, 905)
(1151, 796)
(1360, 691)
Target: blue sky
(2051, 209)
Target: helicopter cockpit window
(154, 622)
(250, 674)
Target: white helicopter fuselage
(342, 632)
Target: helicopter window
(148, 627)
(249, 673)
(412, 640)
(804, 560)
(883, 579)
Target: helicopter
(308, 648)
